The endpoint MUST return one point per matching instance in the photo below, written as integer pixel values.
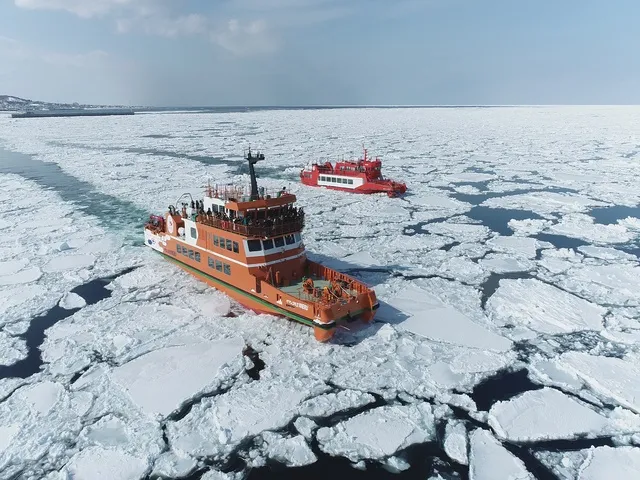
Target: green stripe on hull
(284, 312)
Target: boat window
(350, 181)
(211, 263)
(227, 269)
(297, 237)
(178, 248)
(215, 240)
(289, 239)
(267, 244)
(279, 241)
(333, 179)
(236, 247)
(221, 242)
(191, 254)
(194, 232)
(254, 245)
(197, 256)
(229, 245)
(218, 265)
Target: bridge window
(267, 244)
(194, 232)
(197, 256)
(236, 247)
(229, 247)
(289, 239)
(212, 264)
(215, 240)
(350, 182)
(254, 245)
(221, 240)
(218, 265)
(333, 179)
(227, 269)
(279, 241)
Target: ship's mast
(252, 173)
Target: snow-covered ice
(461, 298)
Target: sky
(321, 52)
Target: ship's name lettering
(298, 305)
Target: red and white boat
(360, 176)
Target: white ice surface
(432, 318)
(548, 414)
(156, 307)
(602, 463)
(291, 451)
(378, 433)
(456, 442)
(72, 300)
(489, 460)
(542, 307)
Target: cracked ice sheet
(583, 226)
(379, 433)
(542, 307)
(489, 460)
(37, 270)
(214, 427)
(612, 379)
(12, 349)
(548, 414)
(430, 317)
(545, 203)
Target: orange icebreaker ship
(361, 176)
(251, 248)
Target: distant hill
(10, 103)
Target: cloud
(164, 26)
(82, 8)
(245, 39)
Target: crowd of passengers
(274, 217)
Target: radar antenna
(253, 159)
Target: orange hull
(251, 248)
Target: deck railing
(253, 230)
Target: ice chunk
(331, 403)
(606, 253)
(71, 301)
(161, 380)
(214, 427)
(528, 227)
(490, 460)
(379, 433)
(614, 378)
(523, 247)
(171, 465)
(12, 349)
(305, 426)
(27, 275)
(431, 318)
(61, 263)
(97, 462)
(583, 226)
(605, 284)
(455, 442)
(11, 267)
(502, 263)
(544, 414)
(292, 451)
(542, 307)
(622, 463)
(545, 202)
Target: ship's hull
(366, 188)
(259, 299)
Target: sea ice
(455, 442)
(378, 433)
(12, 349)
(615, 379)
(161, 380)
(331, 403)
(430, 317)
(523, 247)
(72, 300)
(291, 451)
(542, 307)
(489, 460)
(97, 462)
(622, 463)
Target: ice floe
(542, 307)
(455, 442)
(621, 463)
(490, 460)
(378, 433)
